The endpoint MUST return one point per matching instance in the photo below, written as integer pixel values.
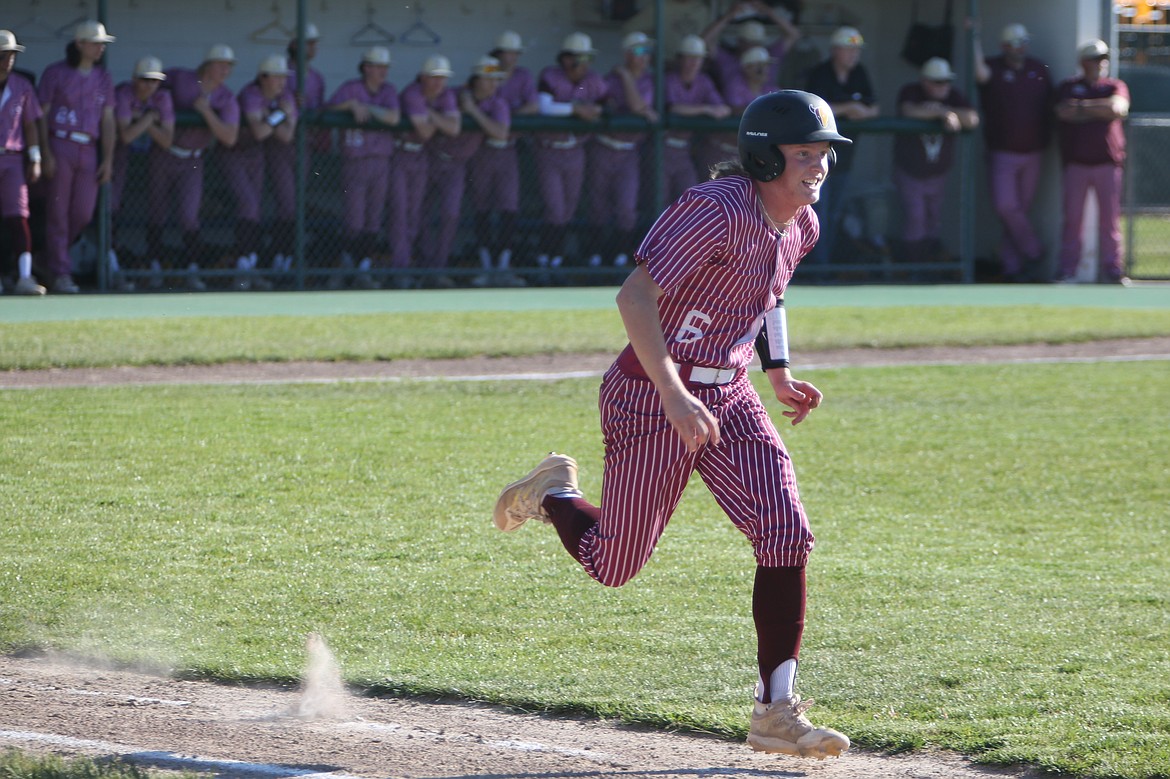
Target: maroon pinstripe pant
(647, 467)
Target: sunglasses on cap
(487, 70)
(640, 50)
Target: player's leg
(646, 470)
(751, 477)
(1074, 189)
(1107, 182)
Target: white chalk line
(163, 759)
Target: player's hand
(105, 171)
(32, 172)
(361, 113)
(800, 396)
(694, 422)
(201, 104)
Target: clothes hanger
(371, 33)
(274, 31)
(419, 33)
(66, 30)
(39, 30)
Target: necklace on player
(780, 228)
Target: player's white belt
(677, 143)
(496, 143)
(615, 144)
(410, 147)
(185, 154)
(82, 138)
(698, 374)
(568, 143)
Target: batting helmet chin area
(785, 117)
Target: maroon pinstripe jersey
(721, 267)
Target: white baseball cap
(937, 69)
(509, 41)
(755, 55)
(8, 41)
(150, 68)
(1093, 50)
(578, 43)
(1015, 34)
(311, 32)
(847, 38)
(751, 32)
(274, 65)
(692, 46)
(636, 39)
(437, 65)
(376, 55)
(90, 31)
(488, 67)
(220, 52)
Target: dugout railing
(868, 251)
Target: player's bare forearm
(638, 304)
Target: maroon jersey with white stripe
(721, 266)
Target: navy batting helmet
(785, 117)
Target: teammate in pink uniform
(20, 161)
(922, 161)
(177, 172)
(569, 88)
(678, 399)
(748, 35)
(689, 92)
(614, 157)
(77, 100)
(502, 198)
(365, 161)
(1089, 111)
(1015, 98)
(489, 161)
(267, 129)
(145, 115)
(430, 105)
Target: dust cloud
(323, 696)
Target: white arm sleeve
(550, 107)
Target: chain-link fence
(428, 218)
(1147, 198)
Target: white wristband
(34, 153)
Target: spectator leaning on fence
(268, 126)
(145, 116)
(922, 161)
(492, 175)
(614, 169)
(366, 151)
(689, 92)
(844, 83)
(178, 171)
(431, 109)
(498, 163)
(1089, 112)
(77, 100)
(1015, 98)
(20, 163)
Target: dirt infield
(247, 732)
(560, 364)
(319, 730)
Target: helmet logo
(821, 112)
(755, 133)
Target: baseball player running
(707, 286)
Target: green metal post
(299, 141)
(967, 169)
(103, 207)
(659, 102)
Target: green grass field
(990, 574)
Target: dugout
(463, 30)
